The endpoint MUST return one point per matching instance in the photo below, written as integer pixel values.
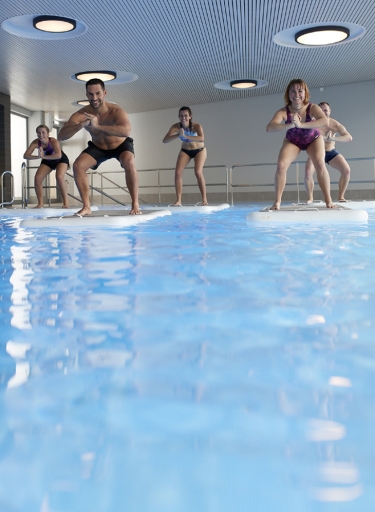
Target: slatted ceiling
(179, 50)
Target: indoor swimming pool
(190, 363)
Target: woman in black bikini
(192, 146)
(53, 157)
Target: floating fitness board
(40, 212)
(189, 208)
(309, 214)
(101, 218)
(352, 205)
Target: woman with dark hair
(53, 157)
(192, 147)
(301, 121)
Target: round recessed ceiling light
(54, 24)
(243, 84)
(322, 36)
(25, 26)
(319, 35)
(85, 76)
(112, 77)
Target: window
(18, 137)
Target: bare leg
(80, 168)
(316, 152)
(309, 180)
(60, 178)
(41, 173)
(131, 176)
(182, 161)
(342, 166)
(288, 153)
(199, 161)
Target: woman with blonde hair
(301, 121)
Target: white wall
(235, 133)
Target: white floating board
(309, 214)
(189, 208)
(110, 218)
(352, 205)
(40, 212)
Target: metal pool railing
(297, 183)
(2, 189)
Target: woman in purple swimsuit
(192, 147)
(304, 135)
(53, 157)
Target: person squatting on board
(332, 157)
(192, 147)
(109, 127)
(53, 157)
(304, 135)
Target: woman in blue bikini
(192, 147)
(301, 121)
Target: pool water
(190, 363)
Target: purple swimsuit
(301, 137)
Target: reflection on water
(190, 363)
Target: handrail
(25, 197)
(98, 190)
(159, 186)
(297, 182)
(25, 187)
(2, 189)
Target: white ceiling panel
(179, 50)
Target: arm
(193, 138)
(120, 128)
(336, 127)
(277, 123)
(56, 148)
(321, 120)
(173, 133)
(76, 122)
(28, 153)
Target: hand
(92, 120)
(328, 136)
(296, 120)
(41, 152)
(181, 132)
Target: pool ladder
(3, 203)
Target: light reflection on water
(190, 363)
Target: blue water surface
(190, 363)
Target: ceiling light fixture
(322, 36)
(83, 103)
(55, 24)
(243, 84)
(106, 76)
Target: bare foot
(204, 203)
(39, 206)
(177, 203)
(275, 206)
(342, 200)
(135, 210)
(84, 212)
(309, 201)
(66, 206)
(330, 204)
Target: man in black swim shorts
(109, 127)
